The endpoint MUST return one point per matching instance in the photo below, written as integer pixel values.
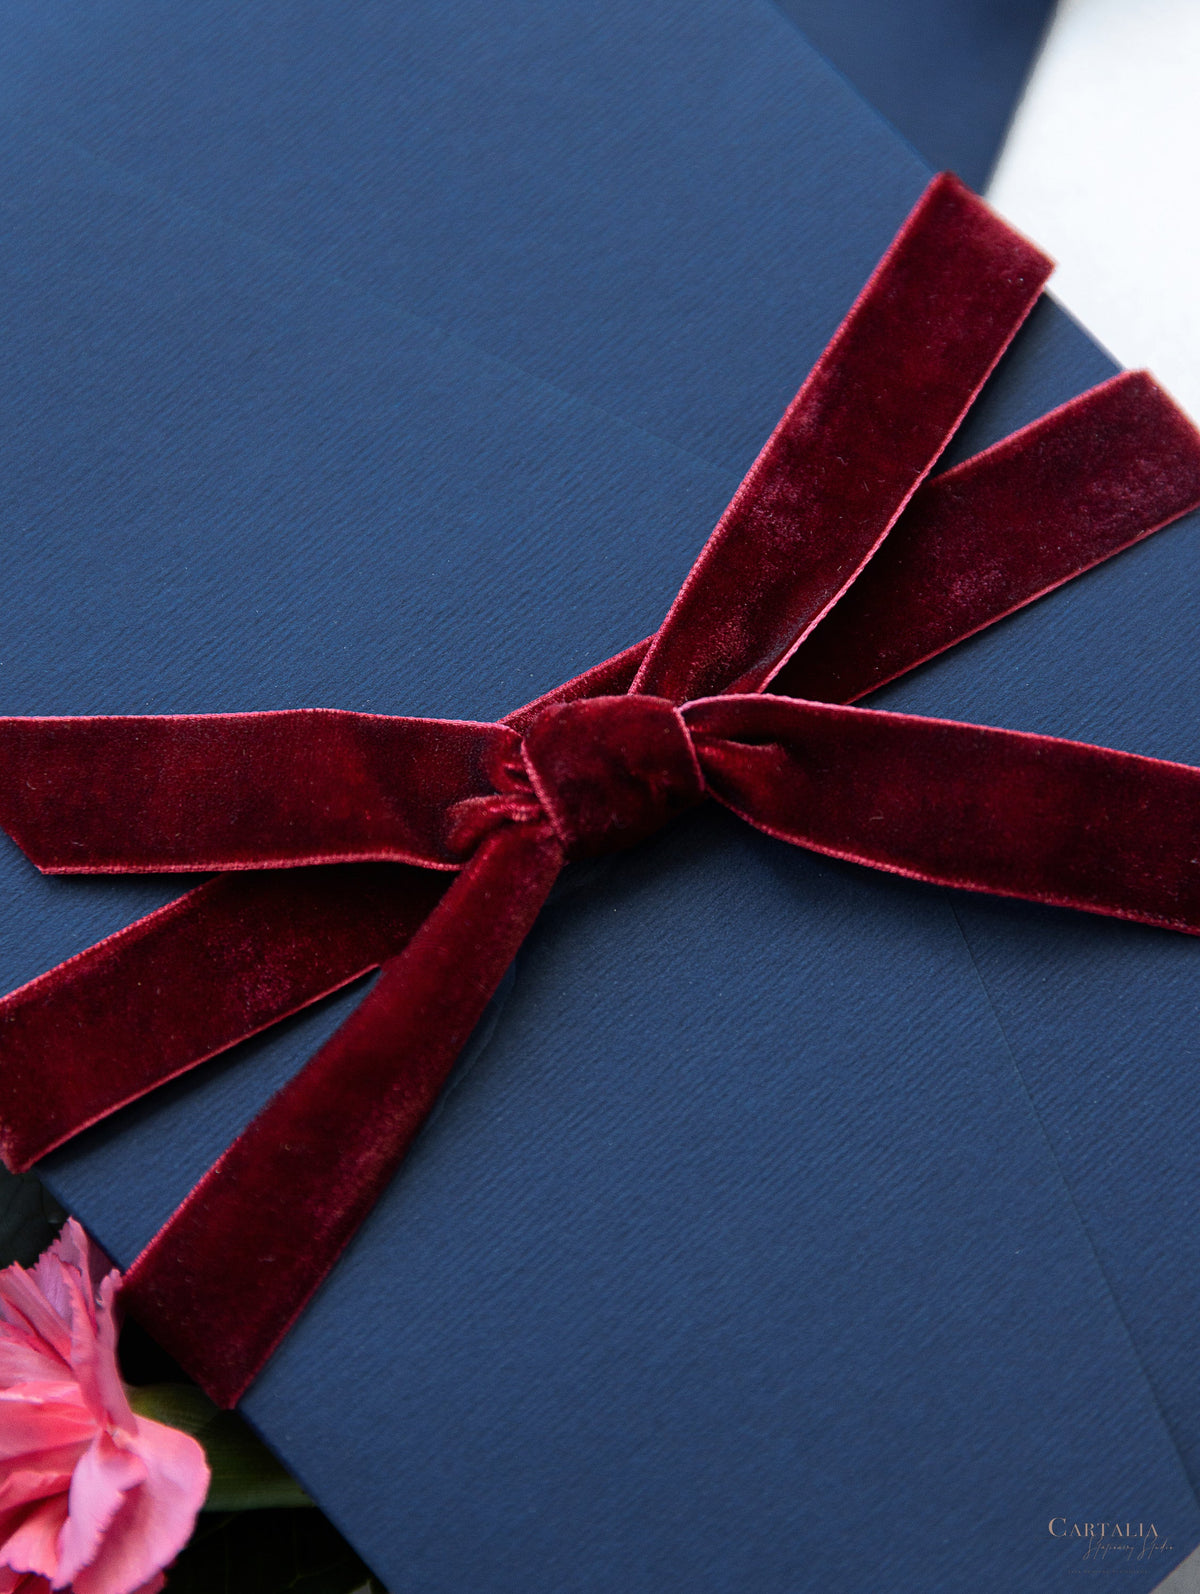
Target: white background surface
(1102, 169)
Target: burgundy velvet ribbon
(347, 842)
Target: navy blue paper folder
(786, 1226)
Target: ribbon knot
(610, 771)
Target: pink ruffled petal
(33, 1547)
(105, 1476)
(22, 1583)
(76, 1249)
(37, 1477)
(85, 1350)
(110, 1391)
(72, 1258)
(156, 1519)
(25, 1360)
(10, 1521)
(42, 1417)
(26, 1306)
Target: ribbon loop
(130, 794)
(1007, 812)
(609, 771)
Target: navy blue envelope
(786, 1226)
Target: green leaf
(245, 1475)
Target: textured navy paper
(403, 362)
(945, 73)
(1102, 1021)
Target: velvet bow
(345, 842)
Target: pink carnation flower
(92, 1497)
